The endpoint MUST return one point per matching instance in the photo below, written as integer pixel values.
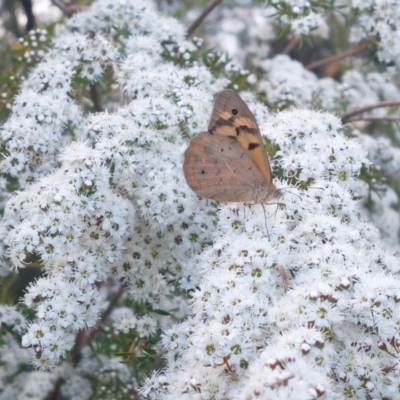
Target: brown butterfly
(229, 162)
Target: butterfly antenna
(294, 194)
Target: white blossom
(292, 300)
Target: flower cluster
(9, 316)
(380, 18)
(309, 23)
(279, 312)
(372, 18)
(32, 43)
(286, 82)
(120, 207)
(294, 300)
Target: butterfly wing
(217, 167)
(231, 117)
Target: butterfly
(229, 161)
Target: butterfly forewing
(229, 162)
(231, 117)
(217, 167)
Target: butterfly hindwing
(217, 167)
(231, 117)
(229, 162)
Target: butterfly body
(229, 162)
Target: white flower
(309, 24)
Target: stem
(350, 52)
(68, 11)
(84, 337)
(61, 6)
(56, 393)
(291, 45)
(30, 16)
(121, 96)
(94, 95)
(199, 20)
(373, 119)
(346, 117)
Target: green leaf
(161, 312)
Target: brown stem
(350, 52)
(30, 16)
(120, 89)
(68, 11)
(94, 95)
(373, 119)
(199, 20)
(291, 45)
(61, 6)
(56, 393)
(388, 103)
(84, 337)
(280, 382)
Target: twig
(94, 95)
(30, 16)
(199, 20)
(82, 340)
(68, 11)
(84, 337)
(56, 393)
(335, 57)
(61, 6)
(291, 45)
(388, 103)
(373, 119)
(280, 382)
(121, 96)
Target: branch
(56, 393)
(116, 71)
(84, 337)
(30, 16)
(199, 20)
(350, 52)
(94, 95)
(346, 117)
(373, 119)
(291, 45)
(68, 11)
(61, 6)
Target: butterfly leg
(265, 220)
(276, 210)
(283, 274)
